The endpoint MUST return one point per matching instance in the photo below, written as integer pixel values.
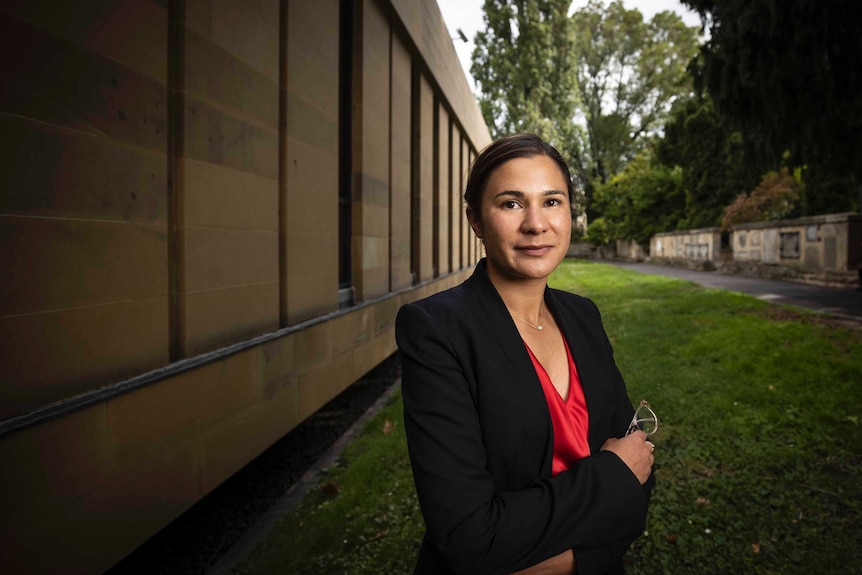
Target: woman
(515, 411)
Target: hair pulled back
(501, 151)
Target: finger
(639, 433)
(651, 445)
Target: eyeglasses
(644, 419)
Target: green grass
(758, 456)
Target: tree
(523, 65)
(714, 163)
(629, 72)
(788, 74)
(644, 199)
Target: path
(843, 302)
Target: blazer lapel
(492, 311)
(497, 318)
(576, 333)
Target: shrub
(776, 197)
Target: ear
(475, 222)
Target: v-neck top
(569, 416)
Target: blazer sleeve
(474, 528)
(606, 558)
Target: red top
(568, 416)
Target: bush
(776, 197)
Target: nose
(534, 221)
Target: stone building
(824, 249)
(701, 247)
(211, 213)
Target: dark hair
(501, 151)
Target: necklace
(541, 318)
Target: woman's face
(525, 220)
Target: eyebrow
(518, 194)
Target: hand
(635, 451)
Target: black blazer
(481, 440)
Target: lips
(534, 250)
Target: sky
(467, 15)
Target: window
(790, 246)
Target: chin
(534, 269)
(538, 272)
(515, 265)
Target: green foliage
(787, 73)
(715, 167)
(599, 232)
(629, 72)
(523, 65)
(828, 193)
(776, 197)
(645, 199)
(757, 459)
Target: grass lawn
(758, 456)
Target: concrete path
(842, 302)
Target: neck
(522, 297)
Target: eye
(554, 202)
(510, 204)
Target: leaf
(330, 488)
(388, 427)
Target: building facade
(824, 249)
(700, 246)
(211, 213)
